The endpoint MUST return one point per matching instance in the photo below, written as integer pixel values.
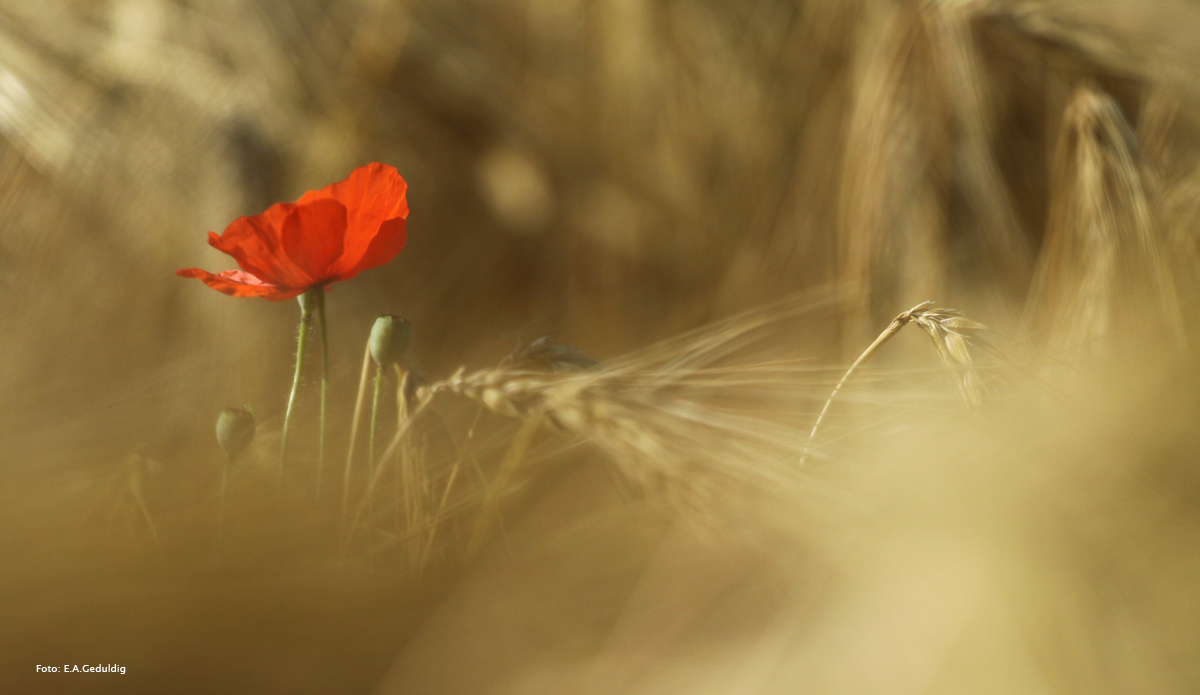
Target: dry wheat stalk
(950, 332)
(663, 417)
(659, 412)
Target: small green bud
(389, 339)
(235, 430)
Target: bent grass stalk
(372, 433)
(950, 332)
(378, 391)
(358, 410)
(404, 475)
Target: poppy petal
(328, 235)
(255, 243)
(237, 283)
(312, 238)
(384, 247)
(372, 195)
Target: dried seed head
(389, 339)
(952, 334)
(235, 429)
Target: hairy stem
(320, 296)
(305, 322)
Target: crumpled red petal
(255, 243)
(372, 194)
(388, 242)
(237, 283)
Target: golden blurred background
(615, 173)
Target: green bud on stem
(389, 339)
(235, 430)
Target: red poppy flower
(328, 235)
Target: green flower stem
(305, 321)
(324, 386)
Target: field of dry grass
(714, 208)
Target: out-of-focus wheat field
(723, 202)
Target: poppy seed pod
(235, 430)
(389, 339)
